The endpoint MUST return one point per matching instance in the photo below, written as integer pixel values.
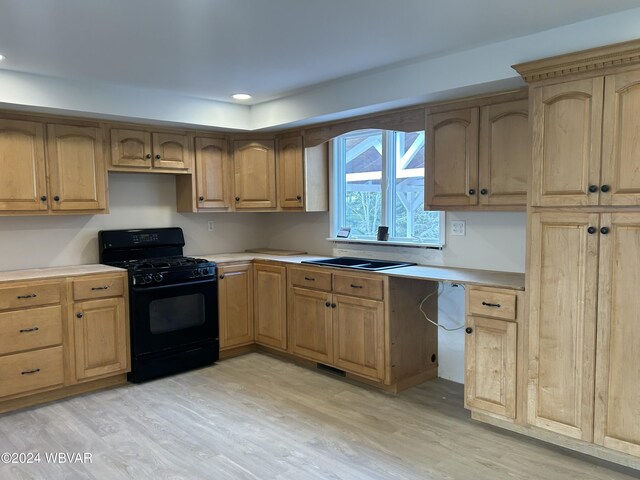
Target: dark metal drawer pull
(25, 330)
(30, 295)
(353, 285)
(310, 279)
(100, 288)
(29, 372)
(497, 305)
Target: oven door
(173, 316)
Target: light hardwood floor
(258, 417)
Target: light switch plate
(458, 227)
(210, 225)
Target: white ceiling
(269, 48)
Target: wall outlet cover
(458, 227)
(210, 225)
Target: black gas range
(173, 301)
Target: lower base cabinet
(310, 320)
(270, 305)
(235, 305)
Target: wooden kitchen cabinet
(270, 305)
(171, 151)
(254, 174)
(131, 148)
(213, 189)
(142, 150)
(235, 305)
(310, 320)
(291, 169)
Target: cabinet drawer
(29, 295)
(305, 277)
(358, 286)
(492, 304)
(25, 372)
(30, 329)
(98, 287)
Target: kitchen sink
(358, 263)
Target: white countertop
(53, 272)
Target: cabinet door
(255, 174)
(617, 415)
(23, 182)
(270, 305)
(291, 166)
(562, 320)
(130, 148)
(490, 366)
(621, 140)
(235, 297)
(310, 324)
(505, 153)
(101, 337)
(76, 169)
(358, 335)
(567, 123)
(452, 158)
(212, 163)
(171, 151)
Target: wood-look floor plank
(260, 418)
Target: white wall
(136, 201)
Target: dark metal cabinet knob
(472, 191)
(201, 198)
(605, 188)
(299, 197)
(237, 199)
(221, 277)
(604, 230)
(57, 198)
(148, 156)
(593, 188)
(468, 330)
(79, 315)
(484, 191)
(158, 157)
(43, 198)
(591, 230)
(333, 305)
(328, 304)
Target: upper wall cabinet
(212, 173)
(291, 168)
(140, 150)
(254, 164)
(478, 157)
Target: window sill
(389, 243)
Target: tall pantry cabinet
(584, 246)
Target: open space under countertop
(467, 276)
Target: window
(379, 179)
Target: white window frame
(337, 194)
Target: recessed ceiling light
(241, 96)
(2, 57)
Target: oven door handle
(211, 281)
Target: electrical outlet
(458, 227)
(210, 225)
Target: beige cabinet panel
(562, 322)
(212, 165)
(270, 304)
(451, 175)
(101, 337)
(235, 295)
(358, 335)
(291, 167)
(310, 323)
(23, 181)
(76, 169)
(255, 174)
(505, 153)
(171, 151)
(617, 414)
(566, 141)
(131, 148)
(490, 366)
(621, 140)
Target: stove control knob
(158, 277)
(196, 273)
(147, 278)
(205, 271)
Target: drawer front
(30, 329)
(308, 278)
(358, 286)
(29, 371)
(27, 295)
(98, 287)
(492, 304)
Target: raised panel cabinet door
(620, 183)
(451, 165)
(270, 305)
(562, 322)
(212, 164)
(310, 319)
(131, 148)
(255, 174)
(76, 168)
(566, 141)
(505, 153)
(101, 337)
(358, 335)
(235, 303)
(171, 151)
(23, 178)
(617, 408)
(291, 167)
(490, 366)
